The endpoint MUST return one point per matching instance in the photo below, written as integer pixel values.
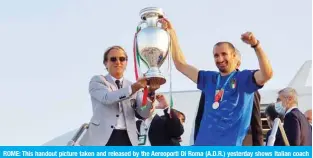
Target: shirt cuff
(254, 80)
(129, 90)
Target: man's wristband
(257, 44)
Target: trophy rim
(146, 10)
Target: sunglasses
(121, 59)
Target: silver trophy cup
(153, 43)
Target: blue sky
(51, 49)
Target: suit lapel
(113, 86)
(125, 83)
(125, 105)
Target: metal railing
(271, 139)
(78, 134)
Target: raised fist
(249, 38)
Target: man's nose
(219, 59)
(118, 62)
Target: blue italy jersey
(229, 123)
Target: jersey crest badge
(233, 83)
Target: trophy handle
(142, 59)
(139, 26)
(159, 24)
(167, 52)
(166, 55)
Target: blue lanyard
(219, 78)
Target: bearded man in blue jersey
(228, 93)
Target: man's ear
(233, 54)
(238, 64)
(126, 65)
(105, 65)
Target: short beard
(222, 70)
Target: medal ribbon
(219, 95)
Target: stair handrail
(78, 134)
(271, 139)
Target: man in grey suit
(113, 122)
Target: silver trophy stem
(155, 74)
(152, 21)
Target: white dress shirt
(121, 123)
(288, 111)
(144, 129)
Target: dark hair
(230, 45)
(272, 113)
(178, 112)
(106, 53)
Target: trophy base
(155, 76)
(160, 80)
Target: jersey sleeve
(205, 78)
(248, 81)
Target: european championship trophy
(151, 49)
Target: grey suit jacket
(105, 98)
